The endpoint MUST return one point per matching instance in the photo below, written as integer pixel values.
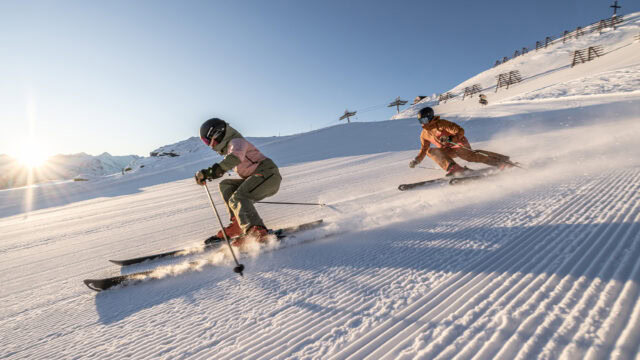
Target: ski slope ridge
(548, 75)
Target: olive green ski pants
(240, 194)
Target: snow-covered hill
(62, 167)
(535, 263)
(84, 165)
(548, 76)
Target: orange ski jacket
(437, 128)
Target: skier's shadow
(119, 303)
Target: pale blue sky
(129, 76)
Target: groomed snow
(539, 262)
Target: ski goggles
(212, 134)
(425, 119)
(209, 143)
(205, 140)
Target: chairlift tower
(615, 8)
(397, 103)
(347, 115)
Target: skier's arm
(230, 161)
(423, 149)
(454, 129)
(210, 173)
(459, 136)
(237, 151)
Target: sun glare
(32, 157)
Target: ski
(404, 187)
(466, 179)
(128, 279)
(284, 232)
(107, 283)
(470, 174)
(211, 243)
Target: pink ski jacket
(250, 157)
(239, 154)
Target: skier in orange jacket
(450, 142)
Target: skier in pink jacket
(259, 178)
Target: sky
(126, 77)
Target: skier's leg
(472, 156)
(227, 188)
(255, 188)
(494, 154)
(442, 157)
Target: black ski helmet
(212, 129)
(425, 113)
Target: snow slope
(535, 263)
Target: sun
(32, 157)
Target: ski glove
(200, 179)
(211, 173)
(444, 140)
(413, 163)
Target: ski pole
(477, 151)
(289, 203)
(239, 267)
(462, 146)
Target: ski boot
(232, 230)
(456, 170)
(257, 232)
(260, 233)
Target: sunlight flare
(32, 156)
